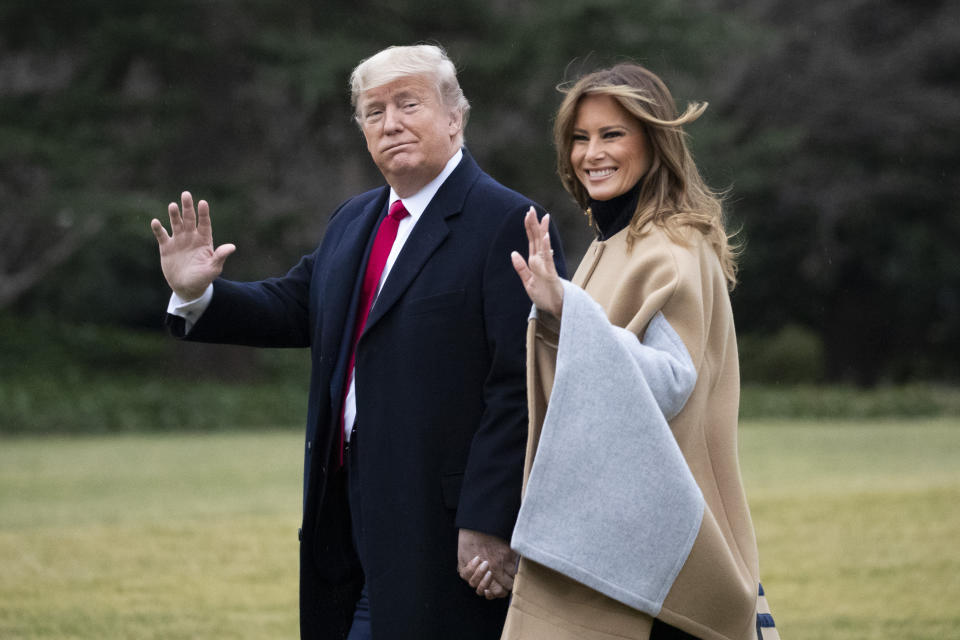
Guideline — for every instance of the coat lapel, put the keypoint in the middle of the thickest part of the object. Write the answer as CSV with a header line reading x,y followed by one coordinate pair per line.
x,y
339,298
426,237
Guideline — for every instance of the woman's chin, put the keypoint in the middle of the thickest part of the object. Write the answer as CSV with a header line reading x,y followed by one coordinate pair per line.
x,y
603,194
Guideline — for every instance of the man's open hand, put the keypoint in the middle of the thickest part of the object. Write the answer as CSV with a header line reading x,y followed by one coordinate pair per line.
x,y
188,259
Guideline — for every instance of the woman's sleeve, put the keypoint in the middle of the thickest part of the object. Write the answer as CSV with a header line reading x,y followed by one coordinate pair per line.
x,y
663,362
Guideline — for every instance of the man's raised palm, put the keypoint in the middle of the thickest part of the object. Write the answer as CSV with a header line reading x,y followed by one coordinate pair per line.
x,y
188,259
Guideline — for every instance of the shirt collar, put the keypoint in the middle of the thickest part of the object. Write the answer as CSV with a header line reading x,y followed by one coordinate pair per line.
x,y
418,202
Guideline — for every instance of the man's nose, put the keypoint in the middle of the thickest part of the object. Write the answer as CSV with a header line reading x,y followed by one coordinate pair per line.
x,y
392,120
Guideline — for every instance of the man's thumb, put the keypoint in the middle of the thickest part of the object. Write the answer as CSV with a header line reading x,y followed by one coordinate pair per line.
x,y
222,253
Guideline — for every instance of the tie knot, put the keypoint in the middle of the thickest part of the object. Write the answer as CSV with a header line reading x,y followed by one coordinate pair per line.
x,y
398,211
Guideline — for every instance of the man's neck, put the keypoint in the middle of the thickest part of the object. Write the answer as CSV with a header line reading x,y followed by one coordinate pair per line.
x,y
407,191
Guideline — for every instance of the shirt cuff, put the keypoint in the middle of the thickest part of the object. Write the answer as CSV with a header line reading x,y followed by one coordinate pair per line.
x,y
190,310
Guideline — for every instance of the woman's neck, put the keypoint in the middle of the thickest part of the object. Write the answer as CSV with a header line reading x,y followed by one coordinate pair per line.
x,y
613,215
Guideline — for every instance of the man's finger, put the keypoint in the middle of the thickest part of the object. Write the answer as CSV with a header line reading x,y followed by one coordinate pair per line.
x,y
203,217
176,222
159,232
188,214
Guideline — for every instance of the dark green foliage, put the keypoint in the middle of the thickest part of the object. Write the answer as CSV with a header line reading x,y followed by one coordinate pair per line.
x,y
68,378
833,123
843,148
792,355
842,402
58,378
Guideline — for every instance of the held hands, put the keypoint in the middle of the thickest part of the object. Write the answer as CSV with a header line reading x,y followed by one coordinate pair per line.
x,y
188,259
539,273
486,563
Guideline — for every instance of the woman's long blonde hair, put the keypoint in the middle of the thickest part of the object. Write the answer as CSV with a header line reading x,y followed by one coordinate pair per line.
x,y
672,193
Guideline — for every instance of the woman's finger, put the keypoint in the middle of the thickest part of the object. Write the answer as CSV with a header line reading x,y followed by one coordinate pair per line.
x,y
476,580
530,225
468,569
496,590
484,583
520,266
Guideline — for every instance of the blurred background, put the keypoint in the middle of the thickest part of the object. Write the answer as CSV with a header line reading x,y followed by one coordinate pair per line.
x,y
833,126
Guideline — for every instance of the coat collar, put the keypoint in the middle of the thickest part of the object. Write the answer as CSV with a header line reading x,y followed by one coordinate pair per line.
x,y
426,237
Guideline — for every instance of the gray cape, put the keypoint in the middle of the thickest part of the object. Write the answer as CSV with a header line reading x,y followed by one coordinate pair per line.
x,y
610,501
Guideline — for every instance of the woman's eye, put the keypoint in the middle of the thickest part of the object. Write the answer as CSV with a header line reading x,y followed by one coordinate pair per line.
x,y
579,137
612,134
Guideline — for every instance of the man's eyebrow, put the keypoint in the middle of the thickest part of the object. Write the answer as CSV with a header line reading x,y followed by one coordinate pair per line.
x,y
379,101
402,95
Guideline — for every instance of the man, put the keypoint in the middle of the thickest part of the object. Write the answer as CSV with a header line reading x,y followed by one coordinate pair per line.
x,y
417,412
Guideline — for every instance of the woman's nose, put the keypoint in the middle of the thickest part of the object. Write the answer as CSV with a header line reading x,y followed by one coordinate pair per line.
x,y
594,150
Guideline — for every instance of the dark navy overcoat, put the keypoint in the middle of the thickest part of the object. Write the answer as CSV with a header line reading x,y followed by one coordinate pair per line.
x,y
441,405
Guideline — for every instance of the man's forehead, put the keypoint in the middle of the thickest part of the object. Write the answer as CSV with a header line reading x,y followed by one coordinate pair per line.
x,y
417,85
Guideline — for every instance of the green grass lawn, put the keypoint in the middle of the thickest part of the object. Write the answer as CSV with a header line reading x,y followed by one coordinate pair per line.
x,y
194,536
858,525
181,536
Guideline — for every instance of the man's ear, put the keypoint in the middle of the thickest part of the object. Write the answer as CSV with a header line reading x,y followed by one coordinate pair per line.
x,y
456,122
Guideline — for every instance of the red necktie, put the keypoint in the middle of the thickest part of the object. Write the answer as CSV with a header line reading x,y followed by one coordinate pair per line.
x,y
382,244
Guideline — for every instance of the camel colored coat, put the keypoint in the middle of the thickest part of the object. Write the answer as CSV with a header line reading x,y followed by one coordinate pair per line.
x,y
712,594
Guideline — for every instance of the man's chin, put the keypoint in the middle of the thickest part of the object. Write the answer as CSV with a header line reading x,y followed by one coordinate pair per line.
x,y
401,165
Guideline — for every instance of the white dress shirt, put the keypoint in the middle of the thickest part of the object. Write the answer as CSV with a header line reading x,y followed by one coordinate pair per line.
x,y
191,310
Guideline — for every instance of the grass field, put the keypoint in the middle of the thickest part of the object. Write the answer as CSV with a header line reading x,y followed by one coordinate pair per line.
x,y
194,536
185,536
858,525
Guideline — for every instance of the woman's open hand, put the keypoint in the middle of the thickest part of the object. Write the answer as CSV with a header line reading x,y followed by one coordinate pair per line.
x,y
539,273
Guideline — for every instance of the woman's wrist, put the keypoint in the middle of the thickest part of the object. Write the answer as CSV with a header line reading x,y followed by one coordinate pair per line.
x,y
554,305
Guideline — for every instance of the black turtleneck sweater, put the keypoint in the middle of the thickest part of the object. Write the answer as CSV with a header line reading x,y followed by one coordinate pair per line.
x,y
613,215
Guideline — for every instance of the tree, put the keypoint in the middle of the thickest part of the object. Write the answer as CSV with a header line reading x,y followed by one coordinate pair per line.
x,y
843,150
247,105
833,122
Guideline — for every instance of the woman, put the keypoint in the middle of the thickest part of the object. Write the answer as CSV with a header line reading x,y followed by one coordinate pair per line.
x,y
634,522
